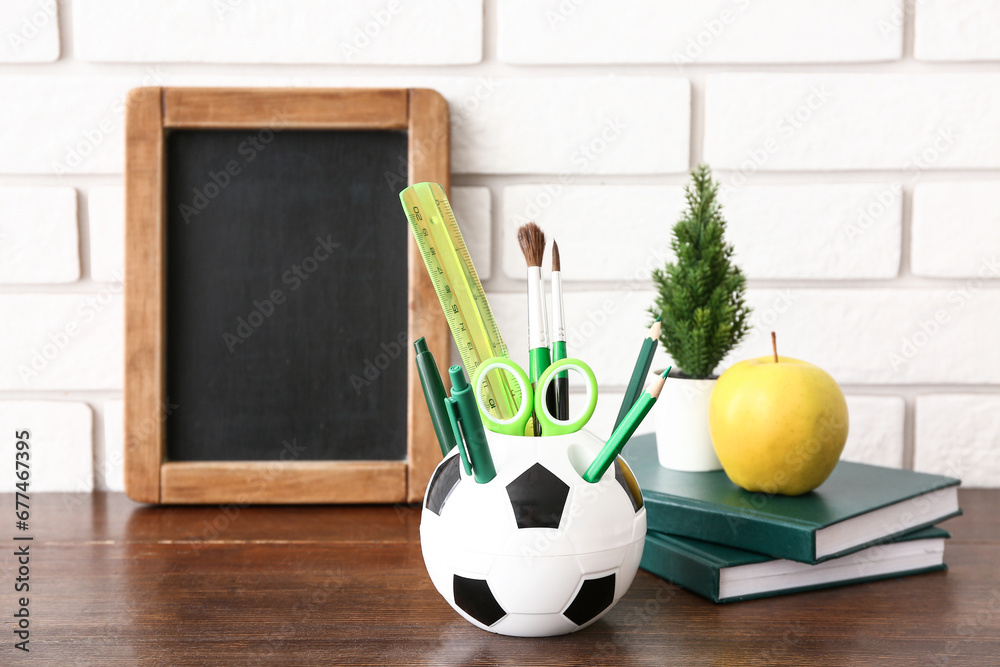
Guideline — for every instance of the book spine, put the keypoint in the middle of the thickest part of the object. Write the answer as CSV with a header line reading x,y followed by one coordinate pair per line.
x,y
743,531
682,569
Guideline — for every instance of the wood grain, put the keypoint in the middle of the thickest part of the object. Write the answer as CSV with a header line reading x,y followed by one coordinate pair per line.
x,y
284,482
123,584
146,407
429,160
287,108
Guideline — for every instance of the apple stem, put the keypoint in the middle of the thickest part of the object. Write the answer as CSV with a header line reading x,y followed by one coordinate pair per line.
x,y
774,346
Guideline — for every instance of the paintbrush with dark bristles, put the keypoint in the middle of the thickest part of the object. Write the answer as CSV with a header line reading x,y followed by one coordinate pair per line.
x,y
532,242
559,396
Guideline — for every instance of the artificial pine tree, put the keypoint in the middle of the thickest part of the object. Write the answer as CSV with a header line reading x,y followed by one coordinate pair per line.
x,y
700,296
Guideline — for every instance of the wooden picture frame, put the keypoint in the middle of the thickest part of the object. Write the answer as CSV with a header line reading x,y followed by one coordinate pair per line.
x,y
151,114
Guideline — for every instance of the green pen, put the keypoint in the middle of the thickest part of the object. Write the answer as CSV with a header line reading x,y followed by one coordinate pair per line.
x,y
465,421
613,447
434,395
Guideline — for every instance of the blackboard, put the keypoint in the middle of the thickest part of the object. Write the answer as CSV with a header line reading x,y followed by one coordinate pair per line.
x,y
273,292
279,243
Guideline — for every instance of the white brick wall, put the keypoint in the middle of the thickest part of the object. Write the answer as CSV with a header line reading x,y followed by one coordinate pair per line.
x,y
859,172
956,229
679,32
472,207
898,122
381,32
966,431
30,30
106,213
110,458
565,210
63,125
957,30
60,443
630,125
779,231
61,341
38,235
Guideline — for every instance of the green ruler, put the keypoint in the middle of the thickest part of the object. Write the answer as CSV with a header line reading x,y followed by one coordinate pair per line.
x,y
460,292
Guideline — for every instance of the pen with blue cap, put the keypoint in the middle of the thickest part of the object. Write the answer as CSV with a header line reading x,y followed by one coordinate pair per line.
x,y
467,426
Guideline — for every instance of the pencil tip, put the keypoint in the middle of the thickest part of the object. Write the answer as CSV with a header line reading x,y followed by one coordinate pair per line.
x,y
654,331
657,386
666,372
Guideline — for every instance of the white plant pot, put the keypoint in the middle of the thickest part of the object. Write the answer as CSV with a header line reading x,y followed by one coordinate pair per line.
x,y
537,551
683,441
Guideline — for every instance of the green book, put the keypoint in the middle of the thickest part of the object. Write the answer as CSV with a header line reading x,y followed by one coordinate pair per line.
x,y
858,505
725,574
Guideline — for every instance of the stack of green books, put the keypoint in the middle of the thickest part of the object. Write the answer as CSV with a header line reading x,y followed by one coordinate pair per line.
x,y
865,522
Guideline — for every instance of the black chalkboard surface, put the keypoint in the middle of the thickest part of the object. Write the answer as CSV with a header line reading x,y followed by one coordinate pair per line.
x,y
286,295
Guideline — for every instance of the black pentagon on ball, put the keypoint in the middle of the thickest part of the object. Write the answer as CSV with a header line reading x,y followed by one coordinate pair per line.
x,y
624,476
595,596
474,597
445,479
538,497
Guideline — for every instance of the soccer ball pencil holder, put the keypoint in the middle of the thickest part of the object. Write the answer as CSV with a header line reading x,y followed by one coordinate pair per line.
x,y
537,551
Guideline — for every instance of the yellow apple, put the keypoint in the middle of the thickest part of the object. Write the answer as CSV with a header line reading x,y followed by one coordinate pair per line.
x,y
777,427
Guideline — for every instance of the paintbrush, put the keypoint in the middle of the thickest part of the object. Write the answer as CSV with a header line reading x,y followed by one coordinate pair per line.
x,y
559,395
532,242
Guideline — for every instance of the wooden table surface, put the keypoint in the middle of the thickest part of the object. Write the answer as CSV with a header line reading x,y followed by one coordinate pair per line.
x,y
114,582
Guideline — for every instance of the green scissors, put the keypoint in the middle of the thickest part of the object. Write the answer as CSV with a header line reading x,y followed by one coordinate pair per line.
x,y
534,400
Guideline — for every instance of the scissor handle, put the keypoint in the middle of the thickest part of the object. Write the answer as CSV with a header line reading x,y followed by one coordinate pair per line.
x,y
551,425
516,424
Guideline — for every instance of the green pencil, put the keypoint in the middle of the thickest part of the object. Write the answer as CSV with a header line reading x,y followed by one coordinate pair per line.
x,y
640,371
613,447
